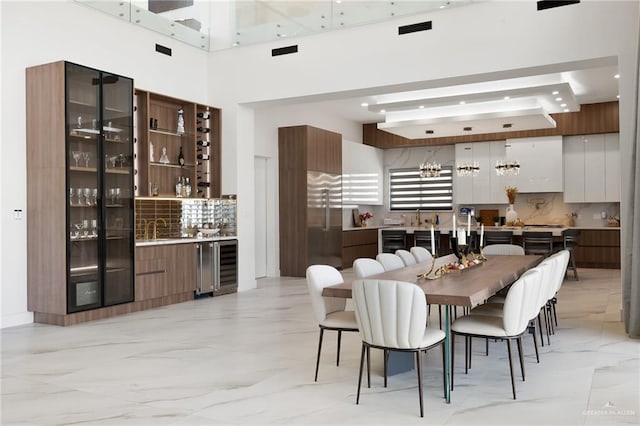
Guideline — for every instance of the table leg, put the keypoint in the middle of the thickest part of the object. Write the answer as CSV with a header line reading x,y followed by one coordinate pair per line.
x,y
447,358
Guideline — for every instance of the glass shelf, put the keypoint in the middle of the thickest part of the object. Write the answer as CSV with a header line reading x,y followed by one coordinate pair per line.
x,y
168,132
117,171
175,166
83,169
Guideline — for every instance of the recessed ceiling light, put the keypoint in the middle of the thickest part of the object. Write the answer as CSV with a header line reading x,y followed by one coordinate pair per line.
x,y
421,106
382,111
617,96
566,110
364,104
555,92
616,76
462,102
467,129
429,132
558,99
507,98
563,105
442,6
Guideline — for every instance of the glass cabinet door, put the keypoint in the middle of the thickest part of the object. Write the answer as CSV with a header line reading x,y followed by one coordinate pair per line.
x,y
117,125
83,183
99,144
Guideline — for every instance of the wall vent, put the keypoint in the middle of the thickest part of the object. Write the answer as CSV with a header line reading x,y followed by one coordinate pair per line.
x,y
163,49
284,50
549,4
414,28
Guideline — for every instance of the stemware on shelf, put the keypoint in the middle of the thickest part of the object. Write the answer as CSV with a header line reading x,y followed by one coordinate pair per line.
x,y
76,156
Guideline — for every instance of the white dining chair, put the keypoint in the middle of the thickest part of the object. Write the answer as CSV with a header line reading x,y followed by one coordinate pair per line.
x,y
503,250
406,257
329,311
365,267
562,258
511,325
421,254
392,316
389,261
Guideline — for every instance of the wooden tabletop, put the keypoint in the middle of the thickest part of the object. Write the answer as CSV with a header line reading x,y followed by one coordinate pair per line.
x,y
468,287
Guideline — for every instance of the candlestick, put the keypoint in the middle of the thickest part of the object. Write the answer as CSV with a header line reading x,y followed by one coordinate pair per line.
x,y
433,243
468,224
481,234
454,224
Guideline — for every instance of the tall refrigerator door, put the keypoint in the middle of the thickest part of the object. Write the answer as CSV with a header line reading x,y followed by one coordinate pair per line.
x,y
204,271
324,218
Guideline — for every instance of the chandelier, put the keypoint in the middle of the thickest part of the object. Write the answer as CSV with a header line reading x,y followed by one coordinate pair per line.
x,y
468,169
509,168
430,170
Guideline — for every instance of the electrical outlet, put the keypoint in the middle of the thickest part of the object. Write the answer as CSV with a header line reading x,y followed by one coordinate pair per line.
x,y
603,215
17,214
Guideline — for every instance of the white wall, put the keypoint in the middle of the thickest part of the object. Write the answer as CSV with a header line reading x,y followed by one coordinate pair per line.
x,y
474,43
35,33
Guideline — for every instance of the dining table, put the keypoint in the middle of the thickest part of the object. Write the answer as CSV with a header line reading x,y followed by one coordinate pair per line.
x,y
466,287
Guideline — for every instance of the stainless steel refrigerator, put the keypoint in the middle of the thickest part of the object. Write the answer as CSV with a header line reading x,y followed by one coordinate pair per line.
x,y
324,218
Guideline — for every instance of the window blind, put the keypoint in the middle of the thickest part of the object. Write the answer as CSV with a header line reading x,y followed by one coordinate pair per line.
x,y
409,191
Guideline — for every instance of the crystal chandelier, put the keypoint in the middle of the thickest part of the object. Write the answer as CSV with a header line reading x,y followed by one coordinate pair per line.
x,y
468,169
508,168
430,170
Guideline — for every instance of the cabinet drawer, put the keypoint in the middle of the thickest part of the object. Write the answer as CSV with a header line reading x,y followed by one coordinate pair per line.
x,y
356,238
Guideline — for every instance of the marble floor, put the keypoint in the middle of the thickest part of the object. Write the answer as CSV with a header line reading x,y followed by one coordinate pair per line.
x,y
248,358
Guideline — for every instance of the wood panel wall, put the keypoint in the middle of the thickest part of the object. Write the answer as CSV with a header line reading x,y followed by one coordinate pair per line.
x,y
591,119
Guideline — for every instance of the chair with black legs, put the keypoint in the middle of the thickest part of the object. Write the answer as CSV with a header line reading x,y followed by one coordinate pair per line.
x,y
393,240
392,316
498,237
329,311
570,240
423,239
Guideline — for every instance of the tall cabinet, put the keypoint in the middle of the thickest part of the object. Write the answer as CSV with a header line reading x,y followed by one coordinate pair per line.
x,y
80,236
310,184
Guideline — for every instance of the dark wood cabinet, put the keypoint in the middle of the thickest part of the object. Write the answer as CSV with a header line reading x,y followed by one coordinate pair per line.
x,y
165,272
358,243
310,204
598,248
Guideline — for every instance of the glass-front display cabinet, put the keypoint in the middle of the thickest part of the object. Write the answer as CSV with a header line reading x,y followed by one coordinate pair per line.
x,y
82,144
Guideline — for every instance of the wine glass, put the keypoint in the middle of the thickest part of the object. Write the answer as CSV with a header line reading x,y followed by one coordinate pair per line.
x,y
94,196
121,159
87,157
87,196
76,156
113,160
94,228
71,193
76,232
79,195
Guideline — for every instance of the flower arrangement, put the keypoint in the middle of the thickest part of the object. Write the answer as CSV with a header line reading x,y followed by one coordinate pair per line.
x,y
365,216
511,192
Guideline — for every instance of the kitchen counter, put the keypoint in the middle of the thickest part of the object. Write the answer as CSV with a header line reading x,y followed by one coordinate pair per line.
x,y
165,241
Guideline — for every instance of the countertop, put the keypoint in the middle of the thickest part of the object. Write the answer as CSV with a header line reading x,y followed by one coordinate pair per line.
x,y
517,230
166,241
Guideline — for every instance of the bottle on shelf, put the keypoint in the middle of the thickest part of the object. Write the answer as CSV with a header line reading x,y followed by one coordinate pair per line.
x,y
181,158
187,188
203,156
202,129
203,142
179,187
203,115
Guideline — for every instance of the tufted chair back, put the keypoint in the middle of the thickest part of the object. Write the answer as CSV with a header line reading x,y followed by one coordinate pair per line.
x,y
319,277
365,267
390,313
519,303
503,250
390,261
406,256
421,254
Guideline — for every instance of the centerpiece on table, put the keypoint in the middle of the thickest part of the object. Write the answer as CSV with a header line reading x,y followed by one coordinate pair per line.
x,y
511,216
364,217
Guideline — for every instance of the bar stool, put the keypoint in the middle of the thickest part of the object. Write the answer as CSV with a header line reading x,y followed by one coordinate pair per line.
x,y
537,242
570,239
423,239
498,237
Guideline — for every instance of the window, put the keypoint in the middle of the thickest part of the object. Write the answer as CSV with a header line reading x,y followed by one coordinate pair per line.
x,y
408,191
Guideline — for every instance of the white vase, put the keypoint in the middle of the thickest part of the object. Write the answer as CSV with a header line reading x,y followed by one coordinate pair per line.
x,y
512,216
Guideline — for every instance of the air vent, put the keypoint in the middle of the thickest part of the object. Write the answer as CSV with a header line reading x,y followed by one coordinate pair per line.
x,y
414,28
429,132
549,4
163,49
507,125
284,50
467,129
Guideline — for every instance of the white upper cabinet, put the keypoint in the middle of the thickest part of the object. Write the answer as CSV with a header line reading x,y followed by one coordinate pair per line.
x,y
540,161
591,168
485,187
362,174
612,167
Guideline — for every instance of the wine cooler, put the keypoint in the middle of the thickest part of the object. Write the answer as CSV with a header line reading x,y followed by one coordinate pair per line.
x,y
217,267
